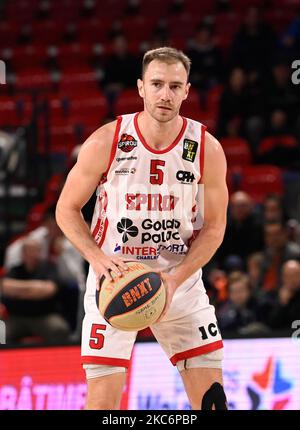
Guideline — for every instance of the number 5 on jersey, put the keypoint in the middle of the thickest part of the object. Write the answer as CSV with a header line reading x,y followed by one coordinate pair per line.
x,y
156,173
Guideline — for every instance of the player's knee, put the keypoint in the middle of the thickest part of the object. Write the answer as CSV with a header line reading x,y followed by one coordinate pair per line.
x,y
101,404
105,384
214,398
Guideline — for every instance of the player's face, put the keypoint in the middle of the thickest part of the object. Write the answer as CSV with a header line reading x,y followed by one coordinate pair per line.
x,y
163,88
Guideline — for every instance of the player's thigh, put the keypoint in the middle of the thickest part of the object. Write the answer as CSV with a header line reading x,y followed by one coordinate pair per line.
x,y
198,381
105,392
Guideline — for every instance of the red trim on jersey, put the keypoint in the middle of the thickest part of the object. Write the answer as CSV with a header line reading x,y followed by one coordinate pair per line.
x,y
104,233
155,151
119,362
204,349
98,224
113,148
202,146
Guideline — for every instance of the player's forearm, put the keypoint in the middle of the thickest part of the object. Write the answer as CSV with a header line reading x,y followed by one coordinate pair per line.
x,y
200,252
77,231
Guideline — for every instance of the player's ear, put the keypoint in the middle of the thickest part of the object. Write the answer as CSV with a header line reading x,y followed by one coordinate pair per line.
x,y
140,86
187,89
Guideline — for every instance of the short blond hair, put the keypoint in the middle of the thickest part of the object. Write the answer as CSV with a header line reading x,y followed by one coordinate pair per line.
x,y
168,55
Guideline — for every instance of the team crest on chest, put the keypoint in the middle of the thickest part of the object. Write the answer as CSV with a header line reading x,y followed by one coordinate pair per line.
x,y
127,143
189,149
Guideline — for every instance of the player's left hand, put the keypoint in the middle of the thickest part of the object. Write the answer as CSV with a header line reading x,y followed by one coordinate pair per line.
x,y
171,284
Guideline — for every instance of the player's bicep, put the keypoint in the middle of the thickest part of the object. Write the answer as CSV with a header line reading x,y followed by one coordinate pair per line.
x,y
84,176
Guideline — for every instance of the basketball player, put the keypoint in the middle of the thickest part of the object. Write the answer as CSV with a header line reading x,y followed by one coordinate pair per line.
x,y
154,170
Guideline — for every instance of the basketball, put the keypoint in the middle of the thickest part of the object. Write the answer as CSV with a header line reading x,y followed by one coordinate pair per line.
x,y
134,301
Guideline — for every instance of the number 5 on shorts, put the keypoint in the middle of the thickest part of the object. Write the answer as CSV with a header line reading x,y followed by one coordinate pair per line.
x,y
96,338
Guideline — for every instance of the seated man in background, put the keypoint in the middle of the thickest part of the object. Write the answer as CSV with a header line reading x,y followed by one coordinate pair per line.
x,y
286,309
30,294
241,311
55,247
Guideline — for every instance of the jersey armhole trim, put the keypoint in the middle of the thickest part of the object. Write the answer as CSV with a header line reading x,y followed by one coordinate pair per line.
x,y
114,146
201,152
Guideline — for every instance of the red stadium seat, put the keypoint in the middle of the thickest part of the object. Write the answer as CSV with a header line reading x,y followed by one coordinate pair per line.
x,y
14,112
33,78
63,139
258,181
237,152
128,101
28,57
82,81
269,143
190,108
89,106
74,57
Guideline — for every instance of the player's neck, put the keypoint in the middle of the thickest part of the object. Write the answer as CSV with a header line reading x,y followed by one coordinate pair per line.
x,y
159,135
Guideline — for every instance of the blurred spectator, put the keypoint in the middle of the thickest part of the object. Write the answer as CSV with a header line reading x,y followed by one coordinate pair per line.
x,y
256,110
287,307
88,9
283,101
69,265
54,246
121,69
254,43
291,38
243,234
133,8
254,264
177,7
206,59
216,285
30,294
241,308
233,103
273,209
277,250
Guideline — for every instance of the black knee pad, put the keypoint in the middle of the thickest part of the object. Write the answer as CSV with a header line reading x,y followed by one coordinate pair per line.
x,y
215,395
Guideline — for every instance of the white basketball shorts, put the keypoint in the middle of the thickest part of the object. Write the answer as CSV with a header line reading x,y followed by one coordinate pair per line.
x,y
187,330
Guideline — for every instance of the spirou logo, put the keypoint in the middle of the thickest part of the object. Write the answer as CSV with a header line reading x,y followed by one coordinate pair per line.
x,y
127,143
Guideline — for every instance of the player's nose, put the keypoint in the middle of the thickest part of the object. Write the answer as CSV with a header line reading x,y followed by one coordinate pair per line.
x,y
166,93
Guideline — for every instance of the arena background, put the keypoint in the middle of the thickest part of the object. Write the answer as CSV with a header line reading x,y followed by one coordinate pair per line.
x,y
69,66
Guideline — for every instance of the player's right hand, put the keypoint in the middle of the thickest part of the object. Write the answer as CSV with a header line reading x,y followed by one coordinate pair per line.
x,y
105,265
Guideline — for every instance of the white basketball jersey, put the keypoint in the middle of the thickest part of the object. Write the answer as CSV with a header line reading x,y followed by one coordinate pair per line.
x,y
149,202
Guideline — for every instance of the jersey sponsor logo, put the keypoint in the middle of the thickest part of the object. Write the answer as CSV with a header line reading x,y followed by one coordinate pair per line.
x,y
151,202
125,171
165,230
138,252
131,158
189,149
127,143
126,228
153,231
185,177
150,252
174,248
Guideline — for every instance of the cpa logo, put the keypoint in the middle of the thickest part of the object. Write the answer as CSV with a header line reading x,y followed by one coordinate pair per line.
x,y
269,389
185,177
